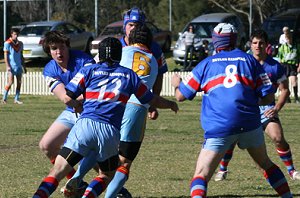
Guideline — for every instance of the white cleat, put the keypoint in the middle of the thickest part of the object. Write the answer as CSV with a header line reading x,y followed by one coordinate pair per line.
x,y
221,175
295,175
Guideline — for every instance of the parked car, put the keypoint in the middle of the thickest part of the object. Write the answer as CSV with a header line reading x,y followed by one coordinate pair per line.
x,y
274,25
32,36
162,37
203,27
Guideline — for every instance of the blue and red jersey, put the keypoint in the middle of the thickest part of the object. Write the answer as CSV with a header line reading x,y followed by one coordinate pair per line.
x,y
158,54
232,82
106,90
277,75
143,63
54,74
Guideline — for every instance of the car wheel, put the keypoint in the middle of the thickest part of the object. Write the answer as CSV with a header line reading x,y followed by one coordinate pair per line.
x,y
88,46
167,45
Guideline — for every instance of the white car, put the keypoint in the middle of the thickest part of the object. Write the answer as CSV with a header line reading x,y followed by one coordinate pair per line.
x,y
32,36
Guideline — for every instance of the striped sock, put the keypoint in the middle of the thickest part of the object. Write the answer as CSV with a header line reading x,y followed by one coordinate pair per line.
x,y
95,188
46,188
286,158
198,187
226,159
117,182
278,182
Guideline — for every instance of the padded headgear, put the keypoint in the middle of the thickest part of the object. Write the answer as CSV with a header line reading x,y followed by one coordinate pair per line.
x,y
141,34
110,50
224,36
134,15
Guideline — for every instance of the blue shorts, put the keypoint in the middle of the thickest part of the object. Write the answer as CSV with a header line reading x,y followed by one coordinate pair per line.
x,y
17,71
89,135
67,118
133,123
250,139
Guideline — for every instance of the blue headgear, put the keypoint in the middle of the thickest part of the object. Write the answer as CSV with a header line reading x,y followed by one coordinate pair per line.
x,y
134,15
224,36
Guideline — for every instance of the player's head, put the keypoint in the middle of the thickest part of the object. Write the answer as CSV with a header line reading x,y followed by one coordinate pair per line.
x,y
224,36
134,15
141,34
54,37
110,50
14,33
260,34
259,42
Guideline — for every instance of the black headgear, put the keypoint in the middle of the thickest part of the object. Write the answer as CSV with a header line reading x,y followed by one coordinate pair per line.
x,y
141,34
110,50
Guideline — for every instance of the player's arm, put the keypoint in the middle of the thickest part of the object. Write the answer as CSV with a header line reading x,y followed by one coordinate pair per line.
x,y
6,60
284,94
162,103
176,80
70,99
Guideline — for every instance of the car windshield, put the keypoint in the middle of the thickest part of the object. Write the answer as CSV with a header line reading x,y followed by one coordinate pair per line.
x,y
203,30
112,30
34,30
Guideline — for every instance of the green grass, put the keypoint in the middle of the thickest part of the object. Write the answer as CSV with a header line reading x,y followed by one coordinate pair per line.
x,y
164,166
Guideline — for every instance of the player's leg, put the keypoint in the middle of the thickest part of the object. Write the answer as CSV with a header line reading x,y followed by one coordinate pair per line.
x,y
223,167
254,142
132,134
212,151
18,89
275,132
63,165
293,80
10,81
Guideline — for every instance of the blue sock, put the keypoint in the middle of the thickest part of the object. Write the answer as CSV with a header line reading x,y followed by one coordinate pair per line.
x,y
5,94
86,164
117,183
17,96
46,188
95,188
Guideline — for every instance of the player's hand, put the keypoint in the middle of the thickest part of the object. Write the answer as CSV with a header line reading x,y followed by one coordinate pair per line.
x,y
25,70
270,113
176,79
153,113
175,107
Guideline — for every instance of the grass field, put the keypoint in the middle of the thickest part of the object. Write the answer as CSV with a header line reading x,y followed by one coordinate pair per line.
x,y
164,166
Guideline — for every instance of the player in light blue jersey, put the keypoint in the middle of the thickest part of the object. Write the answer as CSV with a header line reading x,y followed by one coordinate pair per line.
x,y
137,57
234,118
58,72
269,113
107,87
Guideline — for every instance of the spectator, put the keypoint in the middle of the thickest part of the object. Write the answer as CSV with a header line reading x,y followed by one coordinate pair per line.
x,y
203,50
14,61
106,87
188,37
283,37
289,56
234,118
269,113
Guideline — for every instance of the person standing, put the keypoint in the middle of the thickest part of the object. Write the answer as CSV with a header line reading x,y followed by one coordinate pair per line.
x,y
283,37
234,118
107,87
14,61
269,113
188,37
289,57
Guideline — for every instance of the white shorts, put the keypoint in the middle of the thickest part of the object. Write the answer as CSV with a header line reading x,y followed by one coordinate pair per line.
x,y
89,135
250,139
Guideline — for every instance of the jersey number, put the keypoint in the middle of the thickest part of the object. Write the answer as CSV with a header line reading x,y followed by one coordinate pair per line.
x,y
230,79
140,64
110,93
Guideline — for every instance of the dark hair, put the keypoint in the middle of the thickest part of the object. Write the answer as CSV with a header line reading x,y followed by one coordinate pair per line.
x,y
141,34
53,37
110,50
260,34
16,30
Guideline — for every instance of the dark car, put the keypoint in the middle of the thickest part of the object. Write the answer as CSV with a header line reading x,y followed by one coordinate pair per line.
x,y
32,36
274,25
162,37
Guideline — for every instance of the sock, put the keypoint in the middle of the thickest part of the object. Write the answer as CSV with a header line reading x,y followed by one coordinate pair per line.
x,y
117,182
86,164
198,187
17,96
46,188
95,188
295,89
286,158
226,159
5,93
70,174
278,182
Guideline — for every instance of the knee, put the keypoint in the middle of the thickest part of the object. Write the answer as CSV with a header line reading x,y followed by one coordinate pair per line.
x,y
47,149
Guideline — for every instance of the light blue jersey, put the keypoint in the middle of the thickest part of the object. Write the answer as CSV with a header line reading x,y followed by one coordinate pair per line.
x,y
14,51
143,63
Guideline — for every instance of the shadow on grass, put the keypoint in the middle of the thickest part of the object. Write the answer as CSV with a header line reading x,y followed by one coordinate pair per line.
x,y
226,196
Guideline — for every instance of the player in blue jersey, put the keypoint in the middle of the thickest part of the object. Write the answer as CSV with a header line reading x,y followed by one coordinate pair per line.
x,y
137,57
269,113
58,72
234,118
107,87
